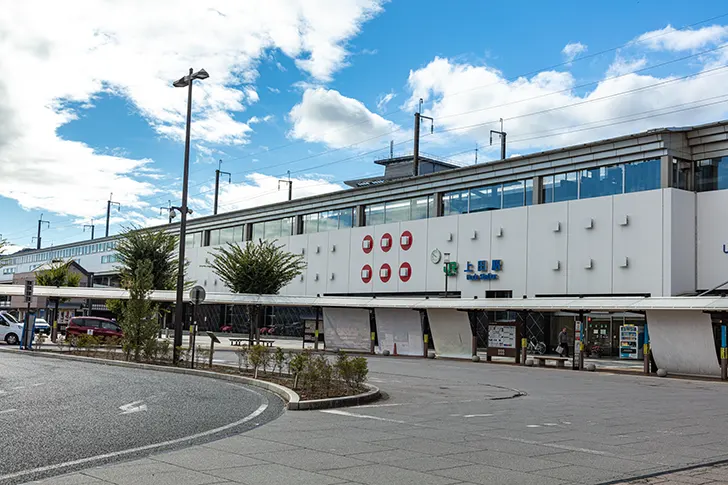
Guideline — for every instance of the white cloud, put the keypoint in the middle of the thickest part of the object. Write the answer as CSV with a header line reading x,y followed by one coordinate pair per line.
x,y
469,99
259,189
383,100
274,90
326,116
621,66
573,49
671,39
254,119
60,61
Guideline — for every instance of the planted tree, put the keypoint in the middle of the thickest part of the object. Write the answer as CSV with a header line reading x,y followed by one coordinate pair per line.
x,y
146,262
261,268
58,274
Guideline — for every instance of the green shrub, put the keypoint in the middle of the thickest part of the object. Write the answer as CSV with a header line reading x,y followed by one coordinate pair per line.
x,y
259,357
279,359
352,371
243,357
183,354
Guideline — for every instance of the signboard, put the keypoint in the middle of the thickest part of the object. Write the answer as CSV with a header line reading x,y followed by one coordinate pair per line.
x,y
503,341
28,291
197,295
483,273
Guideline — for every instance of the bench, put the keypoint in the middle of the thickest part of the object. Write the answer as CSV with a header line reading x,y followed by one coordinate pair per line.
x,y
541,359
239,342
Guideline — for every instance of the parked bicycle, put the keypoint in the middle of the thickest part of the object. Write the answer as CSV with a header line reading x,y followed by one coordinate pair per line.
x,y
536,347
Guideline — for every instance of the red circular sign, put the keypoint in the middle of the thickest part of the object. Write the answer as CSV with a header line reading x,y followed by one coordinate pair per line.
x,y
405,240
366,273
405,272
385,272
386,242
367,244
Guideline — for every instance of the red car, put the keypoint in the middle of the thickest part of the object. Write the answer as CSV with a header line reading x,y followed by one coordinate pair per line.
x,y
98,327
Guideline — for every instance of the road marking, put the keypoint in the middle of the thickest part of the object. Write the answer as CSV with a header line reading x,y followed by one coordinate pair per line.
x,y
17,388
550,424
38,384
361,416
152,446
533,426
389,405
477,415
8,411
133,407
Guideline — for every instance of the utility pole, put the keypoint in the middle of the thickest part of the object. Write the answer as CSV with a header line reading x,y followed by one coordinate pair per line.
x,y
503,139
40,225
290,185
218,172
476,154
416,153
109,203
92,226
167,209
391,148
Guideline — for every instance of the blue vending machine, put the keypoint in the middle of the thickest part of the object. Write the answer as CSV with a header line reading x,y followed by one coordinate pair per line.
x,y
631,339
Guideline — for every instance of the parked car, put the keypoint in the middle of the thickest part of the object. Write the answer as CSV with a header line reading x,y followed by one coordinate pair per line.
x,y
10,328
99,327
41,326
226,328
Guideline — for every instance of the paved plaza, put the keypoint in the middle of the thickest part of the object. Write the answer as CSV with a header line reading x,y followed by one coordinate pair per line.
x,y
449,422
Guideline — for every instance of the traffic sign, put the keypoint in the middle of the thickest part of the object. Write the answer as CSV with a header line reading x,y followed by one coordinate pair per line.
x,y
197,295
28,291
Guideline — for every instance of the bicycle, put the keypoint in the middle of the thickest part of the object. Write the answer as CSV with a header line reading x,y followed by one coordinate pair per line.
x,y
535,347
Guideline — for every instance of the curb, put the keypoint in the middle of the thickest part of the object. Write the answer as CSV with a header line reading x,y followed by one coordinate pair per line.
x,y
290,397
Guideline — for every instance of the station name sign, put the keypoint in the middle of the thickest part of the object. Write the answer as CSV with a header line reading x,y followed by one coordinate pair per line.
x,y
482,273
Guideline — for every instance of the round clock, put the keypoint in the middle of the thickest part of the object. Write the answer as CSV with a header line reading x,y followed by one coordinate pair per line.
x,y
436,256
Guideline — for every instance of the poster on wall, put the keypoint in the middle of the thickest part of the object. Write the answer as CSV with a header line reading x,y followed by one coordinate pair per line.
x,y
502,336
347,328
401,327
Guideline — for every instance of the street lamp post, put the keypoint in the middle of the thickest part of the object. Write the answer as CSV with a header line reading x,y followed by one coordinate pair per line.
x,y
446,261
185,82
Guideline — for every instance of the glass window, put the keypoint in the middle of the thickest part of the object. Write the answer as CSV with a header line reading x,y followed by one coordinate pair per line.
x,y
227,235
485,198
565,186
258,231
547,195
238,233
640,176
420,208
529,192
346,218
397,211
272,229
328,221
193,240
600,181
214,237
680,172
310,223
286,227
455,203
375,214
513,194
711,174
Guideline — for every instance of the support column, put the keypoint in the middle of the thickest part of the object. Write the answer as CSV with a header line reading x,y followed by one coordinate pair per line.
x,y
361,217
248,231
438,204
666,171
537,190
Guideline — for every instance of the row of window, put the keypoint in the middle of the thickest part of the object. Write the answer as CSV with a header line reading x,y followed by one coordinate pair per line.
x,y
600,181
275,229
64,253
8,270
711,174
489,197
400,210
329,220
111,258
216,237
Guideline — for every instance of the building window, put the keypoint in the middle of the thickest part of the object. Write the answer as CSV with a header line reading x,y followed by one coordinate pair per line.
x,y
193,240
274,229
711,174
225,235
485,198
565,186
529,192
455,203
400,210
109,258
641,176
374,214
514,194
600,181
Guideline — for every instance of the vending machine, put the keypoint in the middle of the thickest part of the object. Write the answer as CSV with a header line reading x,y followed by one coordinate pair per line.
x,y
631,338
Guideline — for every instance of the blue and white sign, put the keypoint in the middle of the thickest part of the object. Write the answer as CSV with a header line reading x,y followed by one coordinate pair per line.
x,y
482,273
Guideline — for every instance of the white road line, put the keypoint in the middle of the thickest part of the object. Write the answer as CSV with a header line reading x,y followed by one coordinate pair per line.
x,y
133,407
533,426
477,415
17,388
8,411
105,456
550,424
360,416
38,384
389,405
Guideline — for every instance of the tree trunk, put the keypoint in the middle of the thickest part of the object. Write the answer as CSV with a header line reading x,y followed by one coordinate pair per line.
x,y
54,322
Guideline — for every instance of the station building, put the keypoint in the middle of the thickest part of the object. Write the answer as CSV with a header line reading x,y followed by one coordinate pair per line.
x,y
641,215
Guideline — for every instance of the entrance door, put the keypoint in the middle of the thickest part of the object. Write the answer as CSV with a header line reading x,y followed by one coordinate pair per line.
x,y
598,332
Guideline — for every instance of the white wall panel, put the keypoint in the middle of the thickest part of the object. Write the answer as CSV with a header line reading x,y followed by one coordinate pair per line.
x,y
358,259
417,256
298,245
473,246
347,329
284,244
317,256
451,333
589,267
442,234
682,235
382,257
547,248
682,341
712,245
510,248
338,251
401,327
637,236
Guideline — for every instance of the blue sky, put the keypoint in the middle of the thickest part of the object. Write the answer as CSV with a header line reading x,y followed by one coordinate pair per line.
x,y
320,90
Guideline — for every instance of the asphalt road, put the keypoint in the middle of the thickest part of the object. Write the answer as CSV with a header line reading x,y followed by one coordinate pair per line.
x,y
55,412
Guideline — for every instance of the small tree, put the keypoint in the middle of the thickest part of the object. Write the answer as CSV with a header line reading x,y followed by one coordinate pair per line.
x,y
58,274
243,357
138,318
279,358
258,356
261,268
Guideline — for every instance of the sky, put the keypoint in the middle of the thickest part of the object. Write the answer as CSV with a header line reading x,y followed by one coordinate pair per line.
x,y
316,90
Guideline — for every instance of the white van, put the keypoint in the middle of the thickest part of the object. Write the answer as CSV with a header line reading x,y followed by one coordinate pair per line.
x,y
10,328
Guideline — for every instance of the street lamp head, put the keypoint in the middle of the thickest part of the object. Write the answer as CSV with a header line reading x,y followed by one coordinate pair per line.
x,y
181,82
201,74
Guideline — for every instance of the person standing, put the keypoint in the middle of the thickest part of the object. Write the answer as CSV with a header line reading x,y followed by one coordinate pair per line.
x,y
564,342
